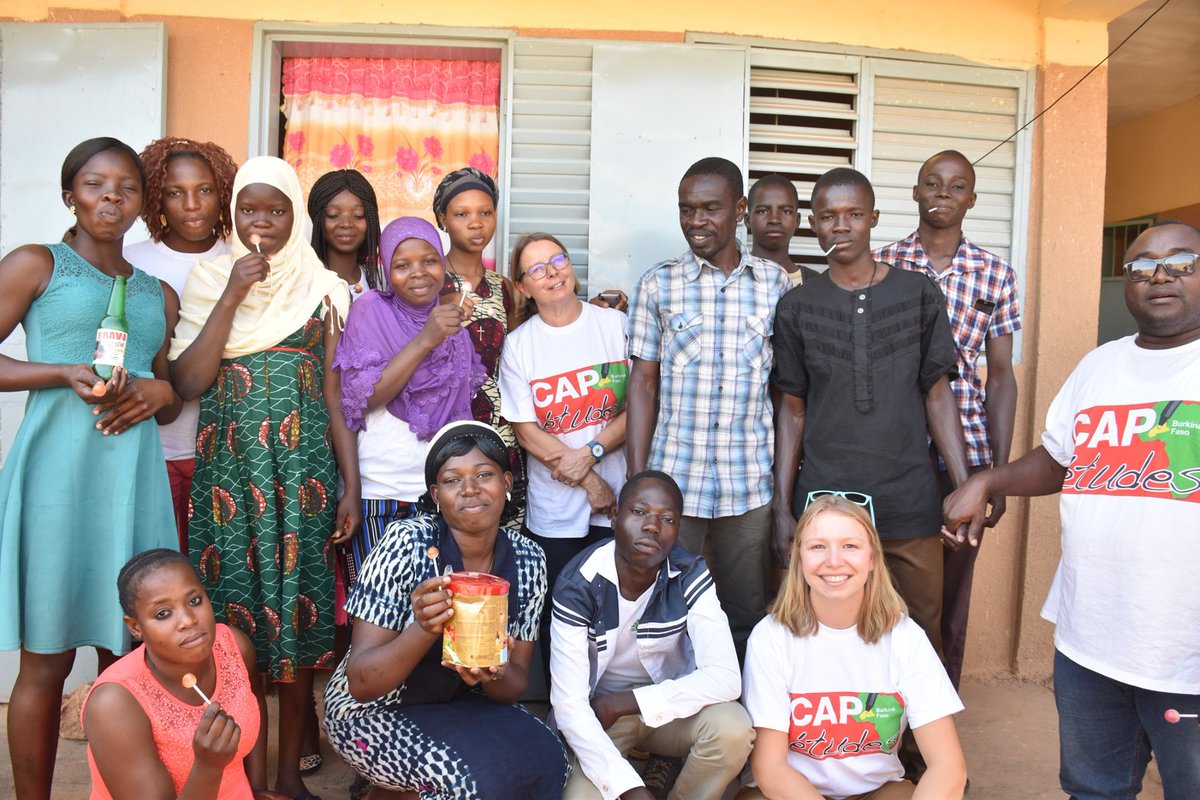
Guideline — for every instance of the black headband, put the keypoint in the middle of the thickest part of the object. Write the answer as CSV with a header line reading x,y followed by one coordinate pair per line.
x,y
463,429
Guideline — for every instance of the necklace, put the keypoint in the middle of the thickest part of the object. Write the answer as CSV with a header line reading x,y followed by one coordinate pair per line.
x,y
871,280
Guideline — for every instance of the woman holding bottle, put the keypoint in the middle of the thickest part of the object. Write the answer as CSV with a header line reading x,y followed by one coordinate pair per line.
x,y
83,487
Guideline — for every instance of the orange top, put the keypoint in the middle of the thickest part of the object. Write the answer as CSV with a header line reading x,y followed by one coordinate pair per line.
x,y
174,722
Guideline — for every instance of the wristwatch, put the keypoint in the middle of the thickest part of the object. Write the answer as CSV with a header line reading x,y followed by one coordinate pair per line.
x,y
596,449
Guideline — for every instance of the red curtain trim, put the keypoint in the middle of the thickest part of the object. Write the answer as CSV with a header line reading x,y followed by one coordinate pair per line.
x,y
447,82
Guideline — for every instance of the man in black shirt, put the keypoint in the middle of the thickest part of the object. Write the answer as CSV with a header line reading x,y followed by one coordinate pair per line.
x,y
863,355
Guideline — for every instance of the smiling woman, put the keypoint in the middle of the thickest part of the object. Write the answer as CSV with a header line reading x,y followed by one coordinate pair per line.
x,y
83,487
563,378
407,368
397,713
838,670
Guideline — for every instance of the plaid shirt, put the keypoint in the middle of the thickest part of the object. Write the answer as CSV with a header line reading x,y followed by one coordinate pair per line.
x,y
981,297
712,338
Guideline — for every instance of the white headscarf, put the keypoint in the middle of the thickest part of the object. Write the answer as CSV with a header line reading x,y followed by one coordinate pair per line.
x,y
276,307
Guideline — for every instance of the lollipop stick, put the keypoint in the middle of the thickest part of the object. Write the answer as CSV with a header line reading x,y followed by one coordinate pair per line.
x,y
189,682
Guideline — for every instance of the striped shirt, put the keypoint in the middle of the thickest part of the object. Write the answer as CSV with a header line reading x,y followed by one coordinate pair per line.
x,y
711,336
981,298
682,639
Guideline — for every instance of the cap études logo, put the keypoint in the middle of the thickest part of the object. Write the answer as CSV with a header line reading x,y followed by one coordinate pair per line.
x,y
845,724
1137,450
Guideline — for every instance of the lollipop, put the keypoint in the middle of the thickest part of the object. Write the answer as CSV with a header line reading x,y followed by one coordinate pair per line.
x,y
189,682
255,240
99,389
432,552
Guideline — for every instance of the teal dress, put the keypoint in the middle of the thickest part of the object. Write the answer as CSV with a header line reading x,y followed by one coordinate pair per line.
x,y
75,505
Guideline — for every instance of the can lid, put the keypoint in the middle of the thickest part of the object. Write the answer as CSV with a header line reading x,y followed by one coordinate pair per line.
x,y
479,583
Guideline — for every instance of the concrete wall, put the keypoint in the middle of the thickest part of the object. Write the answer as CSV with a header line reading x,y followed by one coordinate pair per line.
x,y
1154,164
209,69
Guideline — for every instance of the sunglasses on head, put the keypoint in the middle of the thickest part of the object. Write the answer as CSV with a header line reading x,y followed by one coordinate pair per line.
x,y
537,272
1177,265
858,498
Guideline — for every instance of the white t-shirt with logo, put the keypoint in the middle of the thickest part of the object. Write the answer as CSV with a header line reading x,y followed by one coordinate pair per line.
x,y
571,381
843,703
179,437
1126,424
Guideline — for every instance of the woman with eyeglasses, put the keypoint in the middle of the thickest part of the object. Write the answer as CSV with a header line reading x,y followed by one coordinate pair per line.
x,y
838,670
563,378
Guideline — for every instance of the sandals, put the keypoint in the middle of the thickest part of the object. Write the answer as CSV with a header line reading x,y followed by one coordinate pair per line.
x,y
310,763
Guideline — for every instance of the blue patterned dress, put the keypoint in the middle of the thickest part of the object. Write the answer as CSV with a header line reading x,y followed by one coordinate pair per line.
x,y
75,505
433,734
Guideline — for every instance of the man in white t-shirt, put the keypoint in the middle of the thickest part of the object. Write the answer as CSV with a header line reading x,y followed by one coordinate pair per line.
x,y
1122,444
641,656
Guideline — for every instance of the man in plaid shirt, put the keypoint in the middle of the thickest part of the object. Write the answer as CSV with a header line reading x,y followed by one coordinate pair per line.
x,y
698,406
981,297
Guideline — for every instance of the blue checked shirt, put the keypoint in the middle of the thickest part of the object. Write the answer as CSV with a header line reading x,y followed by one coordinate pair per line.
x,y
711,336
981,298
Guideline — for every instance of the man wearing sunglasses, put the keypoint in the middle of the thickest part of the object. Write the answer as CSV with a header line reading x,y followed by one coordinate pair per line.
x,y
1122,445
981,298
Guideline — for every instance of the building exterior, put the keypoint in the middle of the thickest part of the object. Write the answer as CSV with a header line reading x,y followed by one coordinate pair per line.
x,y
602,106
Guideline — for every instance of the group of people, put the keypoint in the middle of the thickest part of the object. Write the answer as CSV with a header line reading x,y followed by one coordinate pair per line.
x,y
348,416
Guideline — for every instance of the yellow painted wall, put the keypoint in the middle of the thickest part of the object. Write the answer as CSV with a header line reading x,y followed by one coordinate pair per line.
x,y
998,32
1153,162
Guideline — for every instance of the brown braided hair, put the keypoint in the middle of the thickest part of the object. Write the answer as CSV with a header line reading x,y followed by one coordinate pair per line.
x,y
156,156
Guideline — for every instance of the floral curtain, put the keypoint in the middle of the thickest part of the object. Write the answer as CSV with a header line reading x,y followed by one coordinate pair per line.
x,y
402,122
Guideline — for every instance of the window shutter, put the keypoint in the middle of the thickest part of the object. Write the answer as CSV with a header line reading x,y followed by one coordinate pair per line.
x,y
804,121
550,157
919,111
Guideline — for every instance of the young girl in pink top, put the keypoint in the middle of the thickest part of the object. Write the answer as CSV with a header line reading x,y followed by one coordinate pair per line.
x,y
151,737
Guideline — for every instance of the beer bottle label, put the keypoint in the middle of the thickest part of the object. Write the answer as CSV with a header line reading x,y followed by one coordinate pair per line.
x,y
110,347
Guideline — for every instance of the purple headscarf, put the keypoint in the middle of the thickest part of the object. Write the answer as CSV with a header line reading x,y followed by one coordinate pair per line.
x,y
380,325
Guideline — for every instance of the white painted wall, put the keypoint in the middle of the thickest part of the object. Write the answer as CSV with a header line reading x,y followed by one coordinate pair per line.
x,y
62,84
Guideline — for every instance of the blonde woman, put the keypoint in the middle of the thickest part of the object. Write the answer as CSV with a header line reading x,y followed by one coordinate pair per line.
x,y
837,671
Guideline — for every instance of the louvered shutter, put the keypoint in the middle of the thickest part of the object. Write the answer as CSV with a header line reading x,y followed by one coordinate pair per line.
x,y
803,121
550,156
919,110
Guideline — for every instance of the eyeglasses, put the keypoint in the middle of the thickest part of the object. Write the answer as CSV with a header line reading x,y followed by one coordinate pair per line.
x,y
537,272
1177,265
858,498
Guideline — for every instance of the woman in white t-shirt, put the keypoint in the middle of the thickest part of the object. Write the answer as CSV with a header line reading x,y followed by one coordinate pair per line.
x,y
189,186
838,669
563,376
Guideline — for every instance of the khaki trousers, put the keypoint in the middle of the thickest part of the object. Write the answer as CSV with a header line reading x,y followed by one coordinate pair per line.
x,y
715,744
740,560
